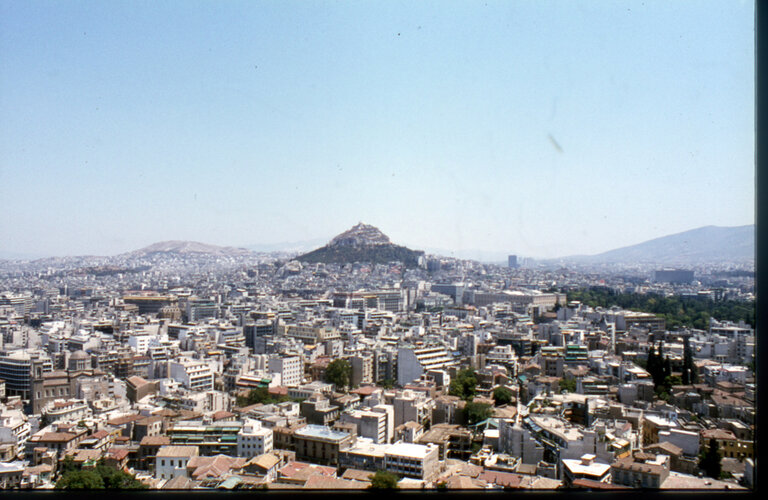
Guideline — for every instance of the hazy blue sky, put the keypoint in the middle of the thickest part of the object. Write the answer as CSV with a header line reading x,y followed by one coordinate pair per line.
x,y
529,127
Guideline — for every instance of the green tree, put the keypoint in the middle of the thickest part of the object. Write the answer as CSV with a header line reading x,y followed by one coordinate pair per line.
x,y
256,396
68,464
709,461
383,480
671,381
567,384
502,396
690,376
117,479
100,477
657,365
677,311
387,383
464,385
339,373
477,412
80,480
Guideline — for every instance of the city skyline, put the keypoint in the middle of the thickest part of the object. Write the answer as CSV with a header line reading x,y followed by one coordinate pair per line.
x,y
476,254
529,128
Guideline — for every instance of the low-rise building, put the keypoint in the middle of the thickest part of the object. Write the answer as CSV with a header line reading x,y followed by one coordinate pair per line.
x,y
585,468
193,375
320,444
211,438
641,470
253,439
171,461
413,460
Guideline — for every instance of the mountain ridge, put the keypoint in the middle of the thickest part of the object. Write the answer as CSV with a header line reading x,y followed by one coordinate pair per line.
x,y
187,247
702,244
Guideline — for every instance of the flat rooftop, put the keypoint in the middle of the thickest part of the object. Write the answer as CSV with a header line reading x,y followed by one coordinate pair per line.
x,y
409,450
320,432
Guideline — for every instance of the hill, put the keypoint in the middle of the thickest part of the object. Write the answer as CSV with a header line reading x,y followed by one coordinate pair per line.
x,y
362,243
187,248
704,244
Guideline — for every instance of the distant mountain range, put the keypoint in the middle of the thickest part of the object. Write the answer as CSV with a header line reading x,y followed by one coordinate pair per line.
x,y
288,246
367,243
362,243
185,248
705,244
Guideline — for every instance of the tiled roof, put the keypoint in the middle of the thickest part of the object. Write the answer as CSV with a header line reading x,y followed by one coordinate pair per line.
x,y
332,483
506,479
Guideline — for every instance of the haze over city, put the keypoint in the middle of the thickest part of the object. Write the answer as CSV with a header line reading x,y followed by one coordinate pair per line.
x,y
537,128
429,246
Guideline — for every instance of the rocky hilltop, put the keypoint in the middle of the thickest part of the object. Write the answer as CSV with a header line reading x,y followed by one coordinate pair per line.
x,y
361,235
362,243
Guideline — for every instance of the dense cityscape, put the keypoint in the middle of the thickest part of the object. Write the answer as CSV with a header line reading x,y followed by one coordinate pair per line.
x,y
366,365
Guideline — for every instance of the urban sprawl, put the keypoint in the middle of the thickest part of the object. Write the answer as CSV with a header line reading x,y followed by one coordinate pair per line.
x,y
196,370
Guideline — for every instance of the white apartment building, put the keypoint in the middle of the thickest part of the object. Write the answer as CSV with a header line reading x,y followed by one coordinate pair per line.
x,y
410,406
375,424
503,355
193,375
413,363
61,410
729,329
688,441
290,368
171,461
14,427
208,401
731,373
309,333
253,439
413,460
139,342
305,391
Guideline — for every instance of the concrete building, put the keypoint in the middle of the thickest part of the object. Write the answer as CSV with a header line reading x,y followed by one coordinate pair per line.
x,y
320,444
362,369
139,342
512,262
19,368
210,438
363,454
318,410
171,461
260,329
413,460
193,375
641,470
585,468
687,441
253,439
413,363
290,368
672,276
411,406
14,428
376,424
